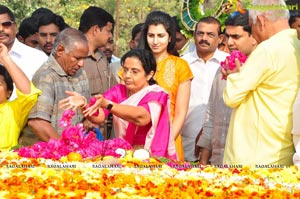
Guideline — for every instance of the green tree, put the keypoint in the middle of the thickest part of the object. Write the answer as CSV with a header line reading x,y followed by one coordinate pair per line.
x,y
131,12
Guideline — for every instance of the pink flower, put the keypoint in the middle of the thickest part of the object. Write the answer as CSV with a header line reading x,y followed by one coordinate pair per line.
x,y
92,102
66,118
236,54
74,139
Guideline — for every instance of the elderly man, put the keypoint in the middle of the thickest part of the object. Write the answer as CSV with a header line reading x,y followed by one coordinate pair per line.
x,y
63,71
263,91
27,58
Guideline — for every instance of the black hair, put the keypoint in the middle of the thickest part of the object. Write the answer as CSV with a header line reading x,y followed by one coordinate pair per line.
x,y
27,27
147,59
210,20
6,10
293,16
136,29
94,16
239,19
49,18
156,18
176,23
7,79
40,11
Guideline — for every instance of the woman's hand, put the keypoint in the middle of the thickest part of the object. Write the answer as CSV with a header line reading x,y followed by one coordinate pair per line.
x,y
75,100
100,103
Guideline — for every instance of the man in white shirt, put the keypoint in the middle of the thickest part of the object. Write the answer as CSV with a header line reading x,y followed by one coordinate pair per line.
x,y
204,61
27,58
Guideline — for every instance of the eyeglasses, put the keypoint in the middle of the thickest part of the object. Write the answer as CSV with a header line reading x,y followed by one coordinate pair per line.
x,y
7,24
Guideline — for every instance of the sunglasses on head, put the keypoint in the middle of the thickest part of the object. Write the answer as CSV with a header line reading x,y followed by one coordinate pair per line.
x,y
7,23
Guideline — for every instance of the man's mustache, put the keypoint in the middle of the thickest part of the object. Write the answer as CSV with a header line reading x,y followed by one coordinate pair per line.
x,y
204,42
107,51
3,33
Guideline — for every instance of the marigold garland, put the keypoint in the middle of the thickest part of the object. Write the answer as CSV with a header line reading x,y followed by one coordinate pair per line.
x,y
44,171
133,178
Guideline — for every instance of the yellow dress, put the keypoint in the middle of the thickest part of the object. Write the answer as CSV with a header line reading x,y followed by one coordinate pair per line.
x,y
170,73
13,116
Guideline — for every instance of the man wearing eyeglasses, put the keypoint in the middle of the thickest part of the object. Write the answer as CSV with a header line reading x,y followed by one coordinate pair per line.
x,y
29,59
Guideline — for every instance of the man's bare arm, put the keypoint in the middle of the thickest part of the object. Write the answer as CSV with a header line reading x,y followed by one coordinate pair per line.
x,y
43,129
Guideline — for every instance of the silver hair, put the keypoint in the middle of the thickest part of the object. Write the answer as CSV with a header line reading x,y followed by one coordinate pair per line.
x,y
68,38
272,9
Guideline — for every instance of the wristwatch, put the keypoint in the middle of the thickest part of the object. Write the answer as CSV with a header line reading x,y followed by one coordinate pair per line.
x,y
109,106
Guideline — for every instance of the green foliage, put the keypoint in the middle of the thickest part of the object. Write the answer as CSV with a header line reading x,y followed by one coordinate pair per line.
x,y
196,15
70,10
131,12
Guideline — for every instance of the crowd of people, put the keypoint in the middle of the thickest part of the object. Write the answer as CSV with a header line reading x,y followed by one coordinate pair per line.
x,y
168,94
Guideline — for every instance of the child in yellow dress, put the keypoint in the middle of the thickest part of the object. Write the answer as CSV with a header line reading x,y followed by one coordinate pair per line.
x,y
14,113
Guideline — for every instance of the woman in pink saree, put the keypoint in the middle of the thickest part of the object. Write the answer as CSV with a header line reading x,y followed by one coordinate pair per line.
x,y
140,107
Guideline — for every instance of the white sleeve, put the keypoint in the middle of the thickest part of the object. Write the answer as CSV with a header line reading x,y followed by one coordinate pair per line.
x,y
296,157
296,115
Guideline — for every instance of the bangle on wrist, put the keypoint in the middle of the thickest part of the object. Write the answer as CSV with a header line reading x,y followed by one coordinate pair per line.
x,y
109,106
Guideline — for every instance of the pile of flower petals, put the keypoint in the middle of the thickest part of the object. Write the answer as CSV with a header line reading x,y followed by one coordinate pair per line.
x,y
37,178
74,139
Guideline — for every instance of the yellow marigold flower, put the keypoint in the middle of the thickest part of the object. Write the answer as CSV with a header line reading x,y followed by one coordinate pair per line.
x,y
64,159
73,156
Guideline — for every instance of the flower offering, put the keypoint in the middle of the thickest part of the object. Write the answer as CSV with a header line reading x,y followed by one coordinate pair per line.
x,y
92,102
74,139
236,54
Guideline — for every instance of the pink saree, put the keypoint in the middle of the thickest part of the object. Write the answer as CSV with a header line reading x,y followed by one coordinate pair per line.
x,y
156,136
